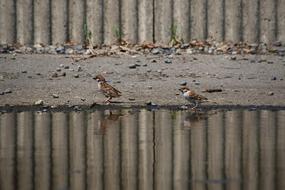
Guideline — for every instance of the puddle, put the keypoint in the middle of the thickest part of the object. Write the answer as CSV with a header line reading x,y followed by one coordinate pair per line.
x,y
140,149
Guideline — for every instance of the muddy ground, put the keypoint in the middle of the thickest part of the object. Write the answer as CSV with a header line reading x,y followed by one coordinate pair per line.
x,y
59,80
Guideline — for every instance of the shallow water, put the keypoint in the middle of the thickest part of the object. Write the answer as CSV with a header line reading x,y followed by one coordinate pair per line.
x,y
140,149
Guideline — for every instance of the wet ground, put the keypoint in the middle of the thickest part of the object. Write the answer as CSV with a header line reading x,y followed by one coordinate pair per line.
x,y
67,80
140,149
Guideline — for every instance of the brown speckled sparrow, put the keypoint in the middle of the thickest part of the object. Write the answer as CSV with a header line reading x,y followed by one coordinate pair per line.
x,y
108,90
192,96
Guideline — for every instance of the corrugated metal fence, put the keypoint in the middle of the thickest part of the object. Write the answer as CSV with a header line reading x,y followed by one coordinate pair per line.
x,y
137,21
142,150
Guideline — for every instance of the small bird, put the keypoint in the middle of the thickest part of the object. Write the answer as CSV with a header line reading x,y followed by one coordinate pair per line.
x,y
192,96
108,90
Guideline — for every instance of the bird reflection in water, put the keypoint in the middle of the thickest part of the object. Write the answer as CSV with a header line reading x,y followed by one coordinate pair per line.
x,y
109,118
192,118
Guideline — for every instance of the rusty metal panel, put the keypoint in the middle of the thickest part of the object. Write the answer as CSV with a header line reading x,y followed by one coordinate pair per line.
x,y
181,19
94,21
145,21
215,27
25,150
59,133
77,153
233,19
250,27
129,22
163,28
24,22
105,22
42,21
198,19
59,13
42,150
7,150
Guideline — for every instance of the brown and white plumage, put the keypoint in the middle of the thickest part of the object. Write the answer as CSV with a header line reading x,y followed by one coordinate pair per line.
x,y
192,96
108,90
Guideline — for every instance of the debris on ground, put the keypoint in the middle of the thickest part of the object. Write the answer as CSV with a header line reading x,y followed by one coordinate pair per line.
x,y
78,52
212,90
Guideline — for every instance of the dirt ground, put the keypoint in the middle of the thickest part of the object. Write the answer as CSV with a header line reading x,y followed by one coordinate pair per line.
x,y
59,80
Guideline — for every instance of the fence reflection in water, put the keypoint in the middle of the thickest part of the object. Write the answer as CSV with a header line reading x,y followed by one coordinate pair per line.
x,y
140,149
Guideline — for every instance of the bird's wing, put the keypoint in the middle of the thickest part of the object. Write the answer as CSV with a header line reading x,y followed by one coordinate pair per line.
x,y
110,90
196,96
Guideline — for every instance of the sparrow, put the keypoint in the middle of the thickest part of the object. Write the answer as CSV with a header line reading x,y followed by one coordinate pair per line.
x,y
192,96
108,90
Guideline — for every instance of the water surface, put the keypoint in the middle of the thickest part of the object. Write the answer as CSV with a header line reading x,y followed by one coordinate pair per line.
x,y
140,149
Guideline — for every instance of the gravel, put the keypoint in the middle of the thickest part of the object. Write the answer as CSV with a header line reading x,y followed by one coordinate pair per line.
x,y
164,79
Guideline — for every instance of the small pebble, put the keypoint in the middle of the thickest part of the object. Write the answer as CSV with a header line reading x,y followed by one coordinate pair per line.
x,y
149,87
24,71
76,76
79,69
262,60
184,46
76,108
183,83
8,91
168,61
273,78
55,96
189,51
197,83
66,67
132,99
58,69
69,51
39,102
277,43
270,93
54,75
151,104
132,66
184,107
155,51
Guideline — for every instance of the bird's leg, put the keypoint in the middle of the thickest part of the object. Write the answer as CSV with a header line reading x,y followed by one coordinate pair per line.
x,y
195,106
108,100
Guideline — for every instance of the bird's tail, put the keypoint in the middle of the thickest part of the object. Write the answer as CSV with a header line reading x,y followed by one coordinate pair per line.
x,y
212,101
